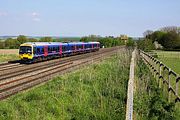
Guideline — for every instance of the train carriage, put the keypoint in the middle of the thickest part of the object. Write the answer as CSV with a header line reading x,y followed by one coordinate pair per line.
x,y
39,51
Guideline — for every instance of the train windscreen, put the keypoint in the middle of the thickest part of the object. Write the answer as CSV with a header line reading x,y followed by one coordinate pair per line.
x,y
25,49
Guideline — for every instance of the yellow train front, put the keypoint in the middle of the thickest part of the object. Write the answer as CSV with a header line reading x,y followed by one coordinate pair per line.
x,y
26,52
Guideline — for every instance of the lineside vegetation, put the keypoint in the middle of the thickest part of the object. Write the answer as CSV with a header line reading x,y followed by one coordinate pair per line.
x,y
150,102
95,92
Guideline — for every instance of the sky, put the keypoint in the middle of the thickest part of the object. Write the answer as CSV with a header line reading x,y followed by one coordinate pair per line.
x,y
86,17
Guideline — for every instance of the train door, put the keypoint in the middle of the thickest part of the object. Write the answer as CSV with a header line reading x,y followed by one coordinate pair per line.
x,y
92,47
75,48
60,50
45,51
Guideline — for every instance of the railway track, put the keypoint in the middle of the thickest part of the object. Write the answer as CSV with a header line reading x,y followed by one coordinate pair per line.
x,y
14,67
26,78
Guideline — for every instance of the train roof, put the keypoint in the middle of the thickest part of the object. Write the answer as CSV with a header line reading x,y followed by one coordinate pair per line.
x,y
55,43
42,43
94,42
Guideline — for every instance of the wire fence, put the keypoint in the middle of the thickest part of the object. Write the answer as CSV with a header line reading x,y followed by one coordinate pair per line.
x,y
166,78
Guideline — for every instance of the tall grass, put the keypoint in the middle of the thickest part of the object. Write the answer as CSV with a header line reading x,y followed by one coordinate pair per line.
x,y
94,92
150,102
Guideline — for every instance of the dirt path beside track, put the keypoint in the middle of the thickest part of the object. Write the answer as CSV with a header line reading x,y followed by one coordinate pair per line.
x,y
8,51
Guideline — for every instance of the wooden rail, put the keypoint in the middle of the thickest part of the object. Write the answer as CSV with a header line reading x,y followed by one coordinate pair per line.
x,y
129,105
166,78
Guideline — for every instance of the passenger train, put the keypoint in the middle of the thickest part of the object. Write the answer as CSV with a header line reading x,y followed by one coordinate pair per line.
x,y
31,52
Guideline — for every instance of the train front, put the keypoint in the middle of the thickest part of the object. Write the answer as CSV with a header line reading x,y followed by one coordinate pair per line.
x,y
26,52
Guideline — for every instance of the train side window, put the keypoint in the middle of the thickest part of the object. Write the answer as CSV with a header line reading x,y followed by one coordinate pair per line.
x,y
42,50
63,48
38,50
49,49
34,50
57,49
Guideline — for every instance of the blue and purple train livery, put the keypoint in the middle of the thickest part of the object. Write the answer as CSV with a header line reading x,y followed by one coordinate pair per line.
x,y
38,51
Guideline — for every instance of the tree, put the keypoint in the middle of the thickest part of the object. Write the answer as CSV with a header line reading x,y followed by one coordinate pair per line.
x,y
145,44
2,44
46,39
22,39
32,40
171,40
147,33
11,43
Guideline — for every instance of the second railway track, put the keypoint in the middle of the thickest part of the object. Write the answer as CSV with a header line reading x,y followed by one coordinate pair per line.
x,y
21,80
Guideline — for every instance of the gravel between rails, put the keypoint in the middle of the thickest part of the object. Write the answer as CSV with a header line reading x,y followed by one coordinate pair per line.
x,y
28,80
32,66
9,76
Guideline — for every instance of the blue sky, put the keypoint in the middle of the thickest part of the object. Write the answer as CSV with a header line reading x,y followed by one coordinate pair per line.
x,y
85,17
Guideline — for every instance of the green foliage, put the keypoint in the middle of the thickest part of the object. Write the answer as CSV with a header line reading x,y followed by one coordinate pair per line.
x,y
149,102
146,45
104,41
95,92
130,43
12,43
21,39
168,37
46,39
2,44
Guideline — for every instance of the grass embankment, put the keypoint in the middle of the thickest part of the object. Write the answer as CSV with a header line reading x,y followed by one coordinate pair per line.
x,y
8,55
95,92
171,59
149,101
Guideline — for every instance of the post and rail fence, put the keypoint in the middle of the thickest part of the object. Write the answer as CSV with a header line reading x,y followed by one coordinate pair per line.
x,y
166,78
129,105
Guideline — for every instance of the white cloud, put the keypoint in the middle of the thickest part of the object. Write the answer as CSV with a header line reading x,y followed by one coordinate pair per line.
x,y
36,19
3,14
35,16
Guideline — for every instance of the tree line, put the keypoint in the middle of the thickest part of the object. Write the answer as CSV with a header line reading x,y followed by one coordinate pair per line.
x,y
168,37
109,41
11,43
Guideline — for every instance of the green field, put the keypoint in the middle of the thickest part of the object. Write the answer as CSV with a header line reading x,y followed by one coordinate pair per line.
x,y
171,59
94,92
8,57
